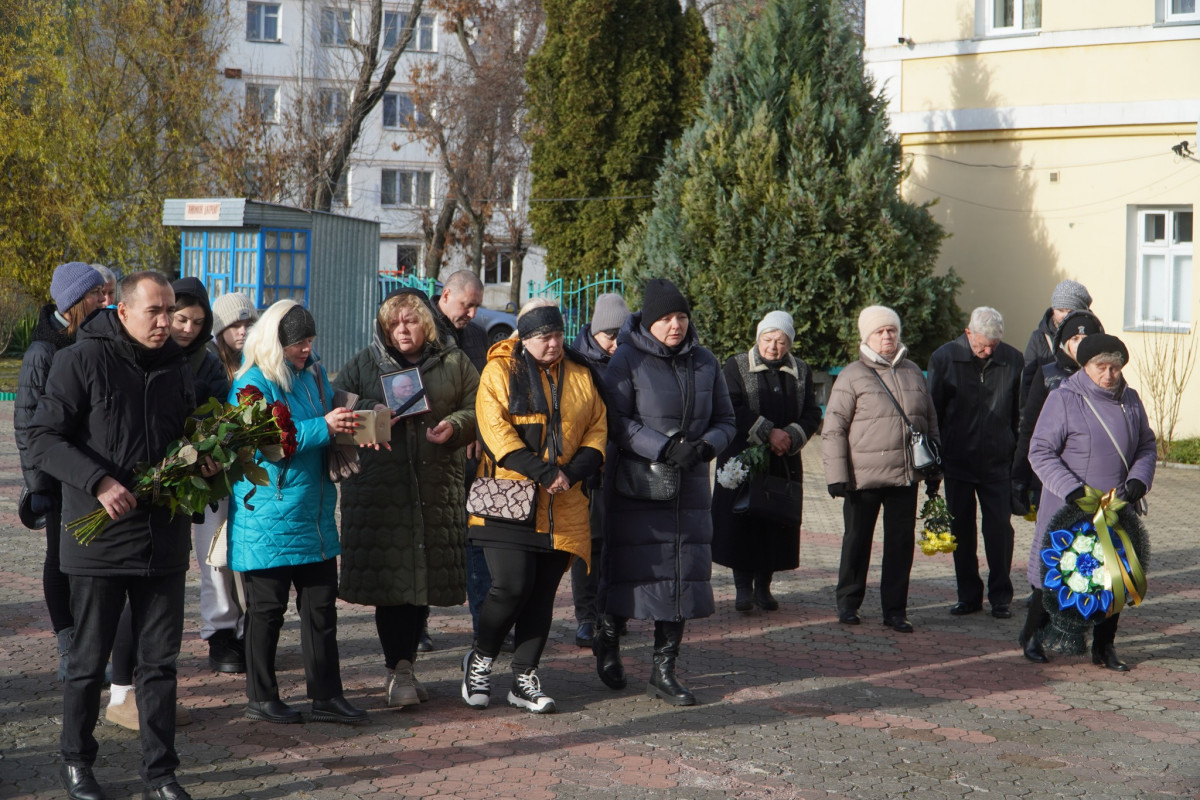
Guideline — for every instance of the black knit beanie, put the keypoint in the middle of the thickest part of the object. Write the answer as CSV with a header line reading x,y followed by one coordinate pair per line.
x,y
296,326
661,298
540,320
1098,343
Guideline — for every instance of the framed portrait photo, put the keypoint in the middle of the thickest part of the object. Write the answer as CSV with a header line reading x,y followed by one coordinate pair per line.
x,y
404,392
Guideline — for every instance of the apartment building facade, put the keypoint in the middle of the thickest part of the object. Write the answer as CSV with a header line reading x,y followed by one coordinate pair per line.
x,y
292,56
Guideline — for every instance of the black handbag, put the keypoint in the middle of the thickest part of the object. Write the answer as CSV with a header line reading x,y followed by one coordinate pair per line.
x,y
924,455
771,497
639,479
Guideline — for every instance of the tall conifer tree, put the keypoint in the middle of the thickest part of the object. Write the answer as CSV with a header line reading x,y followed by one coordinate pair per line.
x,y
614,82
784,193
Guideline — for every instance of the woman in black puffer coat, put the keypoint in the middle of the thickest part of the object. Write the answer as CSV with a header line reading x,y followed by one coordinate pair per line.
x,y
77,290
668,402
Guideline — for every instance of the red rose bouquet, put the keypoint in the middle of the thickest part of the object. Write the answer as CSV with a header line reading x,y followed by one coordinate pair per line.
x,y
232,435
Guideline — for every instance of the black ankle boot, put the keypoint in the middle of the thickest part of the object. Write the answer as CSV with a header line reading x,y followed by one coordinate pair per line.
x,y
762,592
1106,656
743,583
607,649
663,683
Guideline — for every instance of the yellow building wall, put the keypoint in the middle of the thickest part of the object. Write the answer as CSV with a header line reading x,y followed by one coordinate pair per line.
x,y
1099,74
939,20
1015,233
952,20
1072,15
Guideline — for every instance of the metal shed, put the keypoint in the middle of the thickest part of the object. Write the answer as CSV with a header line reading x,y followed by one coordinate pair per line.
x,y
328,262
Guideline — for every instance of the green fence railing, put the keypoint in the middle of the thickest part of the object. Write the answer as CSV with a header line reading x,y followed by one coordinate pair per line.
x,y
577,296
390,281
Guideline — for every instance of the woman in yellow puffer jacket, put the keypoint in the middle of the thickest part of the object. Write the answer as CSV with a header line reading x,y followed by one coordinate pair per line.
x,y
541,418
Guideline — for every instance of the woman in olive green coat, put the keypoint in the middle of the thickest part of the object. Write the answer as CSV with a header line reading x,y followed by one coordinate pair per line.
x,y
404,514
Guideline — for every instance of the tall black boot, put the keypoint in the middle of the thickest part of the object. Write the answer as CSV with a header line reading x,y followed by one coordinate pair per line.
x,y
762,592
1030,636
743,582
607,648
667,638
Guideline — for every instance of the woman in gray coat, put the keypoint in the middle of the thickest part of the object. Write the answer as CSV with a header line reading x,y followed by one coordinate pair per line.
x,y
865,448
668,403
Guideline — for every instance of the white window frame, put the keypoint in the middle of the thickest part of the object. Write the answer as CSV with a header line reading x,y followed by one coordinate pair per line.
x,y
395,100
1166,14
498,266
261,14
985,11
425,30
332,104
415,247
337,26
257,90
1177,271
406,188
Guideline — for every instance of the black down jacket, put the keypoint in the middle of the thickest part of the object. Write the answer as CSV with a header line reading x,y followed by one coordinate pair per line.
x,y
49,336
658,555
978,409
109,405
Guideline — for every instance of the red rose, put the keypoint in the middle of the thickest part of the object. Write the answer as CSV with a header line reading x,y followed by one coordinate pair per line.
x,y
287,429
249,395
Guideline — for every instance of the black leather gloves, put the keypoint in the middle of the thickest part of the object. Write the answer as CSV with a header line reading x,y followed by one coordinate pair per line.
x,y
1132,491
1019,499
684,455
1075,495
838,489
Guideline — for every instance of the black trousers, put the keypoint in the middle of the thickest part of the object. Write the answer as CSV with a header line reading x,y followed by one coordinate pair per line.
x,y
994,515
860,513
522,599
399,629
585,585
267,593
56,586
156,608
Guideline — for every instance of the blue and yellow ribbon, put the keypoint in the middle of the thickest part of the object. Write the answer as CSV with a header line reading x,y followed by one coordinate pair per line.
x,y
1125,571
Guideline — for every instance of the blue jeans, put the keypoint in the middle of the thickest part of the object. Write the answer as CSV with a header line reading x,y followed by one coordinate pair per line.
x,y
479,582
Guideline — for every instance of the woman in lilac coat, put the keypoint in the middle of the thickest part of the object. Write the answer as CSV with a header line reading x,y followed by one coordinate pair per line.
x,y
1070,449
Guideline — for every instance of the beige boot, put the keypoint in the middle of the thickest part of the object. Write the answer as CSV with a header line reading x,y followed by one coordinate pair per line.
x,y
400,688
125,713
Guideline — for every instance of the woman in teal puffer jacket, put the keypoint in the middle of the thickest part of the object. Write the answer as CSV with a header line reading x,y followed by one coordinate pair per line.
x,y
284,533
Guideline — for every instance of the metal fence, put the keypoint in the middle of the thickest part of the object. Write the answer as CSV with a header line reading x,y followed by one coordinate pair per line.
x,y
390,281
577,296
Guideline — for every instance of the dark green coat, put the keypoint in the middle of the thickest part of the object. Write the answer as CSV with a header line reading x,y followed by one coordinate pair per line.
x,y
404,515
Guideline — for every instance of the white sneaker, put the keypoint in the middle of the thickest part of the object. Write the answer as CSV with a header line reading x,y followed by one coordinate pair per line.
x,y
527,693
476,686
400,689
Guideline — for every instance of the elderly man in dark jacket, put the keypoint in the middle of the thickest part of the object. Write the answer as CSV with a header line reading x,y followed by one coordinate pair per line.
x,y
975,382
118,397
461,296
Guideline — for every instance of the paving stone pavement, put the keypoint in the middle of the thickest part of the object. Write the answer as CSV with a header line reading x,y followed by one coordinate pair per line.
x,y
793,704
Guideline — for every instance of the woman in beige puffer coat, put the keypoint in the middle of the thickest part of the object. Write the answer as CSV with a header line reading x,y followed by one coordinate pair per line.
x,y
867,462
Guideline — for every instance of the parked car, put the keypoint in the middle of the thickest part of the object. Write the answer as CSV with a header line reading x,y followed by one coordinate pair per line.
x,y
497,324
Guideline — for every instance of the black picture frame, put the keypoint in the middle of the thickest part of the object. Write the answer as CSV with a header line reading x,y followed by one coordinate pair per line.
x,y
404,392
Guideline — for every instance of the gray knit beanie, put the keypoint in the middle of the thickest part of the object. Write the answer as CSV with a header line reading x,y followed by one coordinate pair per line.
x,y
1071,295
610,313
776,321
230,308
71,282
